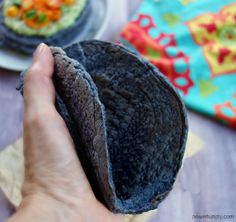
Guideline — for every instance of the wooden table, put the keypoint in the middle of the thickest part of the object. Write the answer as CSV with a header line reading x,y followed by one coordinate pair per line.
x,y
205,185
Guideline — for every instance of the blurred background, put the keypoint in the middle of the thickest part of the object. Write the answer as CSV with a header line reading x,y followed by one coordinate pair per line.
x,y
206,184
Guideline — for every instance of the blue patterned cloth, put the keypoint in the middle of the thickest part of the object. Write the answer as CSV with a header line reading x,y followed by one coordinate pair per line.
x,y
193,43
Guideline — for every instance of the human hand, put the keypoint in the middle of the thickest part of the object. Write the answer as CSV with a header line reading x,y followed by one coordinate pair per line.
x,y
55,186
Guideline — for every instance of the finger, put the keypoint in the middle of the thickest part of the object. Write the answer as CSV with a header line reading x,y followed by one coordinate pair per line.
x,y
39,91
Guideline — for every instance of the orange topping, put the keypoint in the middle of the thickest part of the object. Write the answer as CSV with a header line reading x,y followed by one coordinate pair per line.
x,y
13,11
54,15
69,2
34,24
39,13
40,4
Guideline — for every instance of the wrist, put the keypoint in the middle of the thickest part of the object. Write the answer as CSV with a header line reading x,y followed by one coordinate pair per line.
x,y
41,207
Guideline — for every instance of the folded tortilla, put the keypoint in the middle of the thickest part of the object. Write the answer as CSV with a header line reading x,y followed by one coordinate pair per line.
x,y
128,123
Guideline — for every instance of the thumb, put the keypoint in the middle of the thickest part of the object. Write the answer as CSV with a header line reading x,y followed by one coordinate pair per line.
x,y
39,90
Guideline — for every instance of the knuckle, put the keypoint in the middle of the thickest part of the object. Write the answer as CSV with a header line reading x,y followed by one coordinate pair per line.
x,y
35,121
32,73
35,75
40,119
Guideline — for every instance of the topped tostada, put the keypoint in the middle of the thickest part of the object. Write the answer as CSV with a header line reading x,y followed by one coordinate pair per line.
x,y
26,23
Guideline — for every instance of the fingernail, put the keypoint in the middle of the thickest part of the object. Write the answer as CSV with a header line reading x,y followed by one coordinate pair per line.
x,y
39,50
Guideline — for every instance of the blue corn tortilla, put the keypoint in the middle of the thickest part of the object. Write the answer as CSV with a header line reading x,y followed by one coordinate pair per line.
x,y
128,123
27,44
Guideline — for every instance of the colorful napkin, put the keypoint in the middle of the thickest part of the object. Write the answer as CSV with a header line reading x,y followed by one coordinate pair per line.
x,y
193,43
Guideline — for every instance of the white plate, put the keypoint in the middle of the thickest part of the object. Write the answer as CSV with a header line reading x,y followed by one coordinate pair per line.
x,y
15,61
